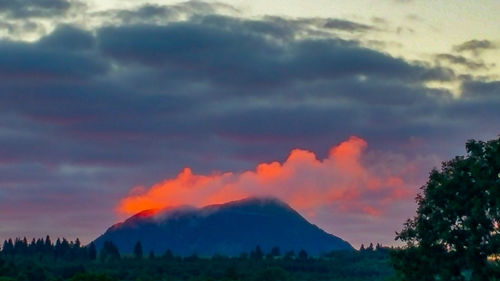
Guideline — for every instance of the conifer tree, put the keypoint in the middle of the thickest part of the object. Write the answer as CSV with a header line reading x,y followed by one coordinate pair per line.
x,y
138,250
303,255
92,252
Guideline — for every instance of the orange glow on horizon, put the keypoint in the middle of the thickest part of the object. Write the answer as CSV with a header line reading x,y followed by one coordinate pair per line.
x,y
339,182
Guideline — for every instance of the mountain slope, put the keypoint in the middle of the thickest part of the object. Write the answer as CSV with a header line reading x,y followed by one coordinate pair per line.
x,y
228,229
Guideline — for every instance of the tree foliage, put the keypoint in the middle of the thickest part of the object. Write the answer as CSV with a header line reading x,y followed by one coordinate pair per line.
x,y
138,250
456,229
109,251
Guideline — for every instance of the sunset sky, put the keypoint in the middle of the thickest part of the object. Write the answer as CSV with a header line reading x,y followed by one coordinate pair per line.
x,y
339,108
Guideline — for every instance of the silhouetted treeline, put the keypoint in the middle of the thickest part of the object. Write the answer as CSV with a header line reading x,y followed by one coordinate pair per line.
x,y
46,248
46,260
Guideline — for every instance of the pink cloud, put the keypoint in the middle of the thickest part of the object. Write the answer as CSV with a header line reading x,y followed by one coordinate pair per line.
x,y
341,182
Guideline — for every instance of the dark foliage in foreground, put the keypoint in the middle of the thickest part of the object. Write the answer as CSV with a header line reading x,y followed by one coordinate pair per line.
x,y
456,232
43,260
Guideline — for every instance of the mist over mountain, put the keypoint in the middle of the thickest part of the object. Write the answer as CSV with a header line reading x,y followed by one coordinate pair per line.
x,y
229,229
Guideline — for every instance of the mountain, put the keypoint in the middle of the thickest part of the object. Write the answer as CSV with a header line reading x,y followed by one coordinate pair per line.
x,y
227,229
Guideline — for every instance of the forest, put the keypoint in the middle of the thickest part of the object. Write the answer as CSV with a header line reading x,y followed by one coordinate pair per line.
x,y
45,260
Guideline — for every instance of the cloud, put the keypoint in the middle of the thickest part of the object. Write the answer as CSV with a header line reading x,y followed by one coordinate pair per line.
x,y
68,37
33,8
58,55
346,25
475,46
483,90
340,181
460,60
24,61
217,53
162,14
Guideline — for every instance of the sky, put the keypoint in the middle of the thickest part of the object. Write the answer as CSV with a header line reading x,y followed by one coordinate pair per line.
x,y
339,108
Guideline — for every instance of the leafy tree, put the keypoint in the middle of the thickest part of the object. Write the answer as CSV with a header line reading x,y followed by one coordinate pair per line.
x,y
138,250
457,226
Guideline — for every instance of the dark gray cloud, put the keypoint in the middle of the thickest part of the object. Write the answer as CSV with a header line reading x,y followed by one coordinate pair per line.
x,y
475,46
33,8
461,60
155,13
68,37
26,61
485,90
240,56
346,25
87,114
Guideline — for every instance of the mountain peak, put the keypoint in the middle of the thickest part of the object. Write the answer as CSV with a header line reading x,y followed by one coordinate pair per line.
x,y
252,201
229,228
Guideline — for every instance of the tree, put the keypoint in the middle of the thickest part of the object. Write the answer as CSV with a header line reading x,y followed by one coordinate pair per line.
x,y
273,274
275,252
457,225
138,250
8,247
48,244
168,255
109,251
92,253
257,253
303,255
289,255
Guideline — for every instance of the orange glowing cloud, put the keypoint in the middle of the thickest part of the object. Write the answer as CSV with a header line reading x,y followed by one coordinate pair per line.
x,y
341,182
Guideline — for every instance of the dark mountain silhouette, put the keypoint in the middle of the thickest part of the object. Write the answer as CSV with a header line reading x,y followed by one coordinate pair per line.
x,y
228,229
